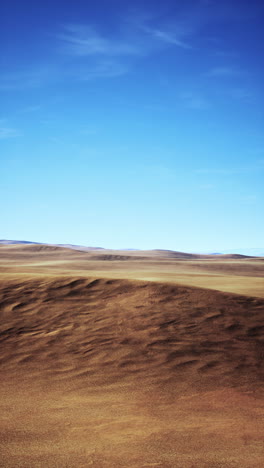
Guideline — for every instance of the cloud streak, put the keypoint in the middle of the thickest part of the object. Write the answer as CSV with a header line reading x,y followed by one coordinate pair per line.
x,y
81,40
99,55
166,36
194,101
222,72
85,40
104,68
33,77
7,133
222,171
29,109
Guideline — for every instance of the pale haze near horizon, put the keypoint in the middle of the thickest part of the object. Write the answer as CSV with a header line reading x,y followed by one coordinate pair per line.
x,y
132,126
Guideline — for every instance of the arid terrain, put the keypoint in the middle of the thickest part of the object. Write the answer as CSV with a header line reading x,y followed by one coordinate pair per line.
x,y
130,359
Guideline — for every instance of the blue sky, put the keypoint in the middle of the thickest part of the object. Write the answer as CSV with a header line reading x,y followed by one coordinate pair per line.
x,y
132,124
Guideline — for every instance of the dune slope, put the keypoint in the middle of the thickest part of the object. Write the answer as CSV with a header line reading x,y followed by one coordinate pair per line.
x,y
124,373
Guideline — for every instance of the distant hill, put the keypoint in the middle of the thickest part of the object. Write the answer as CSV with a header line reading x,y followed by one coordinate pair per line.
x,y
173,254
68,246
252,252
230,253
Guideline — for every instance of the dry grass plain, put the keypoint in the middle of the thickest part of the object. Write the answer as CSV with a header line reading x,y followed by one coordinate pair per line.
x,y
130,359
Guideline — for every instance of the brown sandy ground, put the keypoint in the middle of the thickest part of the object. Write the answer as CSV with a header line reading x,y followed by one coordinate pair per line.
x,y
118,373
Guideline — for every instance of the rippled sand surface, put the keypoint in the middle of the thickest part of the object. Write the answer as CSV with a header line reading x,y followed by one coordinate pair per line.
x,y
111,372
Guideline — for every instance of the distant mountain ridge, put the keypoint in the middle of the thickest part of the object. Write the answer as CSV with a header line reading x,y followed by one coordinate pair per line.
x,y
251,252
244,252
4,241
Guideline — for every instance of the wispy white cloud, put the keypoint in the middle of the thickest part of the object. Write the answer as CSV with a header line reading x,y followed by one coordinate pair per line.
x,y
155,171
85,40
195,101
241,94
160,171
29,109
225,54
56,140
207,186
234,88
260,162
255,166
6,133
249,199
81,40
109,56
223,71
221,171
166,36
105,68
31,78
89,130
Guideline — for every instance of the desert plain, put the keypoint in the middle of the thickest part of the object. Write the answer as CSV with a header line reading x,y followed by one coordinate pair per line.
x,y
130,358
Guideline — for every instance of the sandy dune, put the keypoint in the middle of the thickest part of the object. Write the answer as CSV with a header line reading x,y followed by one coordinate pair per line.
x,y
107,372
